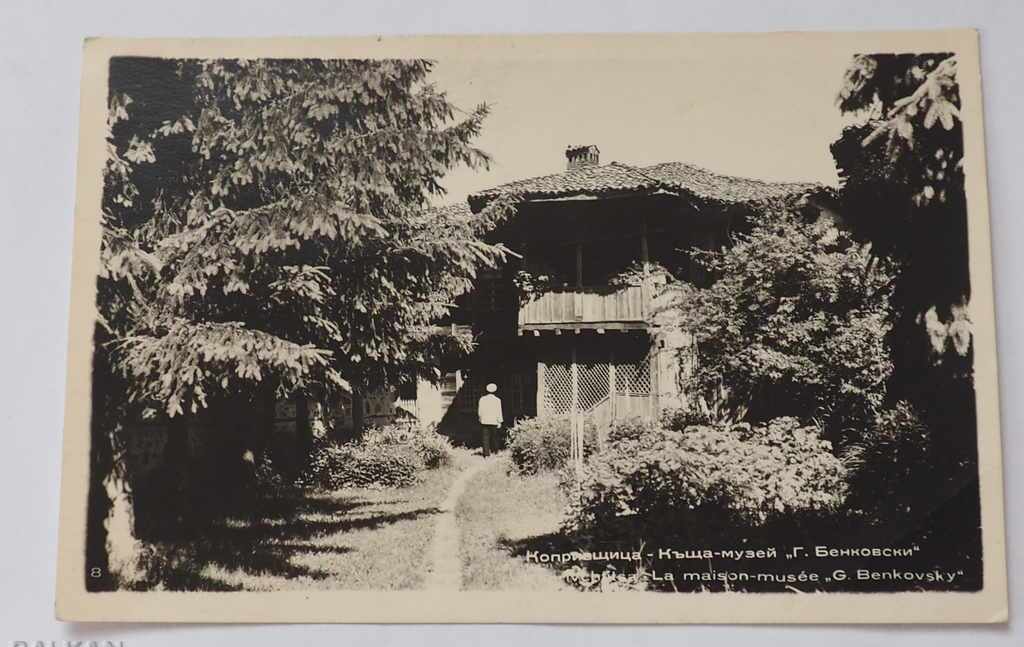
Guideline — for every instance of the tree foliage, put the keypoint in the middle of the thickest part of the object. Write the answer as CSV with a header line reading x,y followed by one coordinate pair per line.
x,y
902,188
268,222
793,325
901,166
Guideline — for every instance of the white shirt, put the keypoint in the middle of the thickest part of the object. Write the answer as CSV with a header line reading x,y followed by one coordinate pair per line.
x,y
489,410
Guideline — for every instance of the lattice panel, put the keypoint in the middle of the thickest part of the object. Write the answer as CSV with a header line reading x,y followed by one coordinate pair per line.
x,y
593,385
558,389
633,379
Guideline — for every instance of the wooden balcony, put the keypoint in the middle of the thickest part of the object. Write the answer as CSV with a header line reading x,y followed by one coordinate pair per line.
x,y
603,307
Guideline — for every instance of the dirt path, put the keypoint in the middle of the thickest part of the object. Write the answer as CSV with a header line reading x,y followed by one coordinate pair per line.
x,y
444,566
503,517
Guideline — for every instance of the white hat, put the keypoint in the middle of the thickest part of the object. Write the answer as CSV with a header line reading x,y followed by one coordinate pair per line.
x,y
492,387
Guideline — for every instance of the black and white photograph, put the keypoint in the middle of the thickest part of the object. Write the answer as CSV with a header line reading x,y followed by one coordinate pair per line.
x,y
654,324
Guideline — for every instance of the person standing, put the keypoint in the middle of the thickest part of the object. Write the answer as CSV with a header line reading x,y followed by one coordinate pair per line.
x,y
489,414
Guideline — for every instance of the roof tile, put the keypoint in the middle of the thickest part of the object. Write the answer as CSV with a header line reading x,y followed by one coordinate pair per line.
x,y
723,188
594,180
675,177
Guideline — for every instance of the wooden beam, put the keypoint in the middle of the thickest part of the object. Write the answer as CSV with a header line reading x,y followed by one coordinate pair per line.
x,y
579,265
569,325
644,251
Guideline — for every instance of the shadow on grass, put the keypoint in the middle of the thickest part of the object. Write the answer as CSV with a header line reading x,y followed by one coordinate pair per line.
x,y
553,543
547,543
262,541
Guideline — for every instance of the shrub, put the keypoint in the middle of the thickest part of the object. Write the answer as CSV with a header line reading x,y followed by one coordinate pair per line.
x,y
673,482
387,456
542,444
890,464
715,407
433,449
632,429
267,475
795,323
680,418
360,464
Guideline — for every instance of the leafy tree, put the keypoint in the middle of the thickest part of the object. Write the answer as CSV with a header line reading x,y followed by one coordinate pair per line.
x,y
902,188
901,169
793,325
267,229
299,246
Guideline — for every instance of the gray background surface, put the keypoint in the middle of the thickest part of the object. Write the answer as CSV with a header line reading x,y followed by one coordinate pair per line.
x,y
40,58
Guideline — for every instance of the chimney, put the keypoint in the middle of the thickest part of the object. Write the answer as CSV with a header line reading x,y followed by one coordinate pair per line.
x,y
580,156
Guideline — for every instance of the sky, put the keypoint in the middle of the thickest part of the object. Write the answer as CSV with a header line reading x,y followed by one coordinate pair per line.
x,y
767,114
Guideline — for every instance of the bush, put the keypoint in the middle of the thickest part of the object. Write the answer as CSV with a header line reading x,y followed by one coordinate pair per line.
x,y
795,324
358,464
630,430
890,465
543,444
433,449
674,482
387,456
680,418
267,475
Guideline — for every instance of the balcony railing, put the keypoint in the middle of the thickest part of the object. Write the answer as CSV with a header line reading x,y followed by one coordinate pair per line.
x,y
624,307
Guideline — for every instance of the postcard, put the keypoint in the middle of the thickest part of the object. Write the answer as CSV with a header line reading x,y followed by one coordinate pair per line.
x,y
661,328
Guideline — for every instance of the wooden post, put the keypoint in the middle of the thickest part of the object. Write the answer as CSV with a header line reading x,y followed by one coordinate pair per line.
x,y
654,369
645,260
611,380
577,302
575,382
575,421
644,251
579,264
541,409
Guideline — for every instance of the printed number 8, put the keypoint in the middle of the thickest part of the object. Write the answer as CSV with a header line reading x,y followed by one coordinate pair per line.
x,y
95,571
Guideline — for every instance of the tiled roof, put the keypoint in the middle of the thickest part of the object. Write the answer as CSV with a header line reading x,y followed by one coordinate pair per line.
x,y
673,177
593,180
722,188
453,210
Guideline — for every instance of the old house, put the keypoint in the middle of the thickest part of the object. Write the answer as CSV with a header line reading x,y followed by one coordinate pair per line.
x,y
570,325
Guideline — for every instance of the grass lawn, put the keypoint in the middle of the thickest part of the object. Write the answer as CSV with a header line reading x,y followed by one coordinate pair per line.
x,y
343,539
500,517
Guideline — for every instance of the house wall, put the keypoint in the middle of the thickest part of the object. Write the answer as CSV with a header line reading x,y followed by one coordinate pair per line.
x,y
579,242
